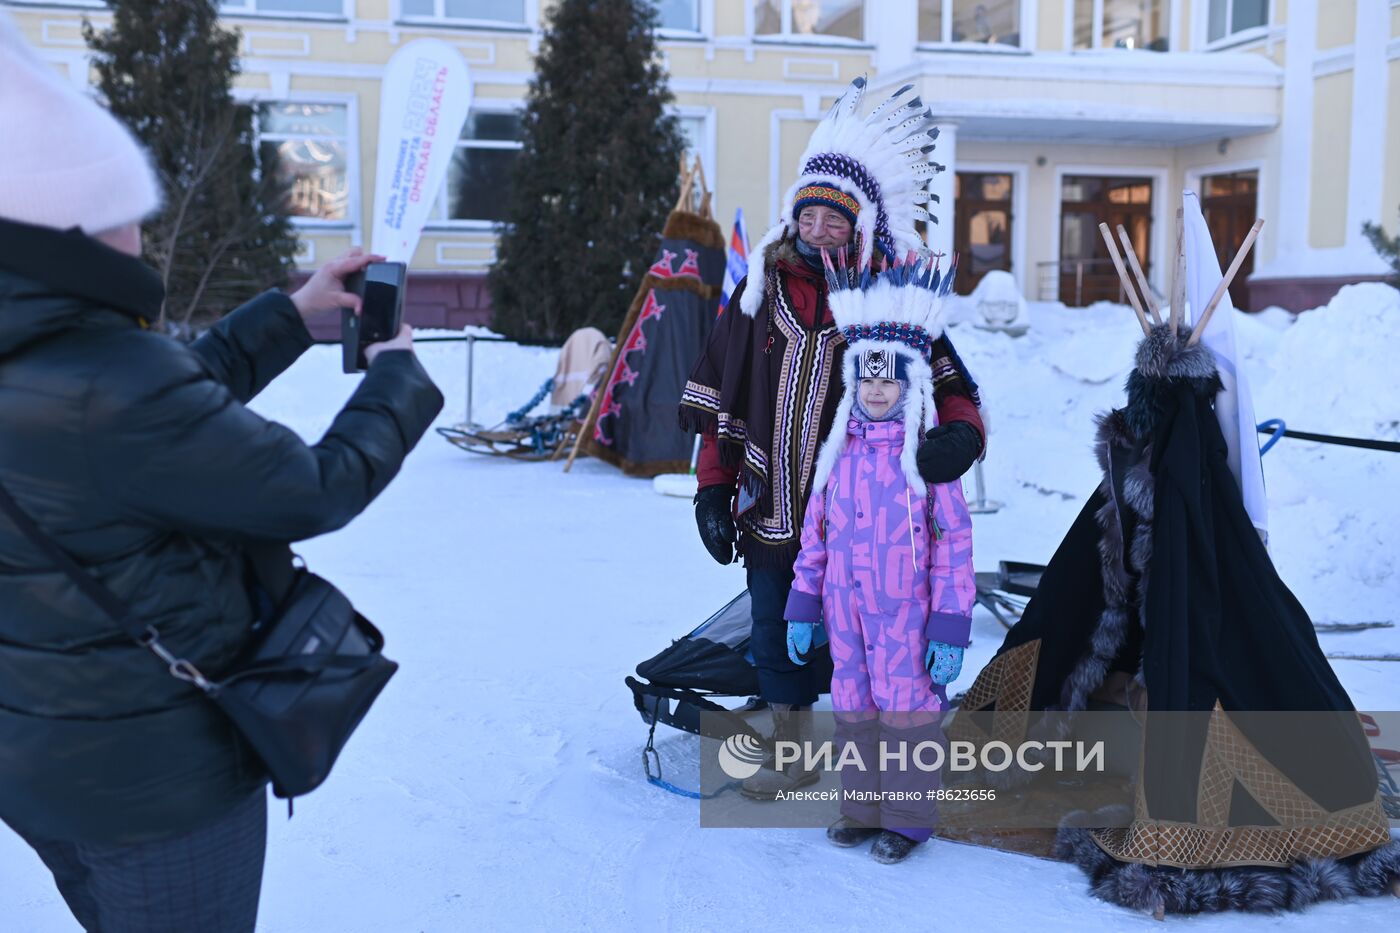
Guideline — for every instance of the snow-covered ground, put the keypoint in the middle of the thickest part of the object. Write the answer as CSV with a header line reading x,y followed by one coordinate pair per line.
x,y
498,784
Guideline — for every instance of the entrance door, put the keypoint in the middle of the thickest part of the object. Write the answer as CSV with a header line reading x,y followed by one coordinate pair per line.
x,y
982,229
1086,271
1230,204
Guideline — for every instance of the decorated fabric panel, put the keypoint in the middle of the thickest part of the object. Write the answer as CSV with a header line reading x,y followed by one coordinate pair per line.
x,y
667,327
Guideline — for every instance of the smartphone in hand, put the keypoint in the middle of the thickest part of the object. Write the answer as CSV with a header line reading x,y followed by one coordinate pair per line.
x,y
381,288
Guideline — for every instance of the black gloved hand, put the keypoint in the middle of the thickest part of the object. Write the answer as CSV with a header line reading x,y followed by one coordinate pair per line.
x,y
948,451
715,517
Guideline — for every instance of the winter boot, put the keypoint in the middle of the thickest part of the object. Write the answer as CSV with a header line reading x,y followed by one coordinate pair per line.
x,y
847,833
769,781
891,847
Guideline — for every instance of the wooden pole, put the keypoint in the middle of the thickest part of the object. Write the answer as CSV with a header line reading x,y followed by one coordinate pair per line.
x,y
1123,277
705,193
1178,309
1147,295
687,178
592,417
1229,277
700,173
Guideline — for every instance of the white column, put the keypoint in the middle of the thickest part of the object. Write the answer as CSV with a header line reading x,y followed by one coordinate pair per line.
x,y
893,28
1368,120
945,153
1294,183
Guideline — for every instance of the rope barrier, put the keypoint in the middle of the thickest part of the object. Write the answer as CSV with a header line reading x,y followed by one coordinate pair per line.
x,y
1278,429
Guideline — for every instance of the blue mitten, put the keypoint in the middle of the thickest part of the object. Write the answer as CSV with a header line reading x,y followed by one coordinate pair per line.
x,y
799,641
944,661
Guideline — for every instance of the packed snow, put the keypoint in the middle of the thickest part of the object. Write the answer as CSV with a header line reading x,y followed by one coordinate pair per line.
x,y
497,784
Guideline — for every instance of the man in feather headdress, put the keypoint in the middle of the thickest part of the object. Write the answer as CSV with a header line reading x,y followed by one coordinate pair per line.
x,y
765,391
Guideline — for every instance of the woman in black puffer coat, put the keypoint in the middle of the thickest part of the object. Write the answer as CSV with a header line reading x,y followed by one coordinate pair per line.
x,y
137,455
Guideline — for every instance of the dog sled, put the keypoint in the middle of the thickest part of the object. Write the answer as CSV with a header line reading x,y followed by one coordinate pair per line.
x,y
583,361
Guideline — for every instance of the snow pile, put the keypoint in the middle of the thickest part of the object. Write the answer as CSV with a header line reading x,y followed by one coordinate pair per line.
x,y
1347,355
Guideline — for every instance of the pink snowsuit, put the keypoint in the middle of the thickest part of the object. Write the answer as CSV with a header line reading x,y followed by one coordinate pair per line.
x,y
884,590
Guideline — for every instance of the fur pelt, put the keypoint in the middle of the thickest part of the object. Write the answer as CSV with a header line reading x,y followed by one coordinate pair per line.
x,y
1161,359
1248,888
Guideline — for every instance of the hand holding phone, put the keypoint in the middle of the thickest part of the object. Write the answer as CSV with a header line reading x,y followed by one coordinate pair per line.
x,y
381,288
403,340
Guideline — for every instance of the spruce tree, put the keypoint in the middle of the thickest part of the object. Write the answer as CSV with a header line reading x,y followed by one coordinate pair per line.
x,y
1387,247
166,70
596,178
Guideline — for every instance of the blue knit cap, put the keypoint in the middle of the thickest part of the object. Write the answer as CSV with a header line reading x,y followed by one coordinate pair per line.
x,y
826,196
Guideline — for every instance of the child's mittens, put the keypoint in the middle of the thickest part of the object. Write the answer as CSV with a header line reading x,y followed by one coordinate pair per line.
x,y
799,642
944,661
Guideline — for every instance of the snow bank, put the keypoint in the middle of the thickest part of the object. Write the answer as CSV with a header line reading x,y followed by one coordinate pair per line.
x,y
1337,368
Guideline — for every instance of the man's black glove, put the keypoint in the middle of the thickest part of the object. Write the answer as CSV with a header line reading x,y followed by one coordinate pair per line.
x,y
948,451
715,518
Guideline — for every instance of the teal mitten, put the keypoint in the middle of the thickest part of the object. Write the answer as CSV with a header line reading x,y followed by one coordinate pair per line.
x,y
799,641
944,661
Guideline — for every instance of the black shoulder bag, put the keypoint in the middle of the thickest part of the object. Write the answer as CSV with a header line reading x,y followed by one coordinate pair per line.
x,y
308,677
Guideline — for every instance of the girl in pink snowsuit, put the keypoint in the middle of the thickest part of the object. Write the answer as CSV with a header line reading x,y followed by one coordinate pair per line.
x,y
886,565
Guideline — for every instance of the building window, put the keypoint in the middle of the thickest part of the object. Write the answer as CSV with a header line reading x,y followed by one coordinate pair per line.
x,y
1227,17
1122,24
479,178
310,143
511,12
842,19
678,15
317,7
1086,272
982,227
693,131
984,22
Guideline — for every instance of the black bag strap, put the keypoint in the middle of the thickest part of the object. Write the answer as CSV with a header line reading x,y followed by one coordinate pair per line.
x,y
106,600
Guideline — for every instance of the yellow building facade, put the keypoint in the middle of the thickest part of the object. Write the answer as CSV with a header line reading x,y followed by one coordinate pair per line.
x,y
1054,114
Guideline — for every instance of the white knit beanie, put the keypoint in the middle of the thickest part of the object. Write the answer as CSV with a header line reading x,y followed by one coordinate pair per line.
x,y
64,161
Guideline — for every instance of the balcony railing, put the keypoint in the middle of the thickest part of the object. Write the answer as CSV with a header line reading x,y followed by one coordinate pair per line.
x,y
1079,282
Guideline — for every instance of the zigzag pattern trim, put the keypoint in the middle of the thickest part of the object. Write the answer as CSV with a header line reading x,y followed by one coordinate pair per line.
x,y
912,336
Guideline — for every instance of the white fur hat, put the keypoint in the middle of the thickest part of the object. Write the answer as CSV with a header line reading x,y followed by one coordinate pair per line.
x,y
64,161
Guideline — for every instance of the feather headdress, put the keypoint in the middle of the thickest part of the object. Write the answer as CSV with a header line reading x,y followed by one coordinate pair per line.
x,y
874,168
899,313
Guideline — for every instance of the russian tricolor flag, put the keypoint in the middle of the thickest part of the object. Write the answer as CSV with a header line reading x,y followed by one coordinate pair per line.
x,y
737,265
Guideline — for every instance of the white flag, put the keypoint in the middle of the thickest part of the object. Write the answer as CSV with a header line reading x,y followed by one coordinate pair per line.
x,y
425,98
1233,406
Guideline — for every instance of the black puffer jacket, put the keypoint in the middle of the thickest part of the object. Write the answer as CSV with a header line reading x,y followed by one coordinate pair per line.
x,y
137,455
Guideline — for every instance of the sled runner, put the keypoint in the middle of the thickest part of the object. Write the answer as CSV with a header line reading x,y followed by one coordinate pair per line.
x,y
537,438
522,436
1005,593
